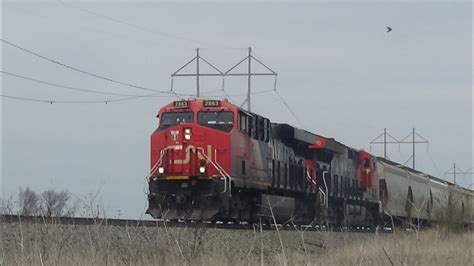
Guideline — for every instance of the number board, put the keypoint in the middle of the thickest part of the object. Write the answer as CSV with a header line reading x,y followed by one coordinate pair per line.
x,y
212,103
180,104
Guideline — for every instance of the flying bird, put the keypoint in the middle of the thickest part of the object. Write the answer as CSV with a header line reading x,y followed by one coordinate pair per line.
x,y
389,29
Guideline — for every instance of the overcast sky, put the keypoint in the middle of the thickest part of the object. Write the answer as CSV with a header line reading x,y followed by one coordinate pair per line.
x,y
338,69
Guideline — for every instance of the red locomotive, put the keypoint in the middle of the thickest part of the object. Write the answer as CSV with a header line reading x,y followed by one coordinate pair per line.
x,y
211,160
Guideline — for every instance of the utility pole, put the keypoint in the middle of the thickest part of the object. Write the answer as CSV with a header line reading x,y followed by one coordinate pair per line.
x,y
249,74
251,59
456,170
414,142
413,154
384,142
393,140
197,72
249,78
454,173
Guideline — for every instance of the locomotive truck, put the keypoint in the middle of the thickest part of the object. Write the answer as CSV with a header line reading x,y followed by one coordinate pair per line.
x,y
213,161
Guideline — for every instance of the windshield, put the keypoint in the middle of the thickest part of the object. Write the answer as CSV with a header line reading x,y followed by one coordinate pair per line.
x,y
171,119
219,120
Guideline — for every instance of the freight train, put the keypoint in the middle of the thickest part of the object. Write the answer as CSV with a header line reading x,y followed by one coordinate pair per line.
x,y
213,161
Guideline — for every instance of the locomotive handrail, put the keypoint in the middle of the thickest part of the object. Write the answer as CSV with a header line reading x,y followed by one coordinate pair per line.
x,y
218,168
158,163
153,169
324,196
310,179
326,187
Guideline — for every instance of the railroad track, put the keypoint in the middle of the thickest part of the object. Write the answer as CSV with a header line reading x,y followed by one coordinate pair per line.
x,y
77,221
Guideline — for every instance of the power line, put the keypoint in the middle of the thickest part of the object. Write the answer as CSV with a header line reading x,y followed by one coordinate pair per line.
x,y
245,94
258,92
225,94
83,71
136,26
127,96
289,108
73,88
434,164
50,101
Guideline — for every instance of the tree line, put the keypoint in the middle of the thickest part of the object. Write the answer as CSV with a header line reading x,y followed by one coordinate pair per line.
x,y
49,203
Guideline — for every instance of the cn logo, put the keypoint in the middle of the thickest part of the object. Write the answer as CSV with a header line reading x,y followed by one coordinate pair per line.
x,y
174,135
187,157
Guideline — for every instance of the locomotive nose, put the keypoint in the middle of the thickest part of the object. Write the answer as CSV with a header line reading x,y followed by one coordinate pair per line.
x,y
178,153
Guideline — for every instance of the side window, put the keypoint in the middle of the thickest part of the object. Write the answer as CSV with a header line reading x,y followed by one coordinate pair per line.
x,y
265,127
255,127
242,121
250,129
267,130
261,128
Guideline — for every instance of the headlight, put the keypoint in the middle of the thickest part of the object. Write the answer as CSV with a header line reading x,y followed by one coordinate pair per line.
x,y
187,133
161,170
202,169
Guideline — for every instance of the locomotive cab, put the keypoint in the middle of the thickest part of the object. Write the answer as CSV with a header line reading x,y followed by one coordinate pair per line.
x,y
190,159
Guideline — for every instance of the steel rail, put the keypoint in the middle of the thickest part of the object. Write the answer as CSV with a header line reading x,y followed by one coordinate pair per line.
x,y
81,221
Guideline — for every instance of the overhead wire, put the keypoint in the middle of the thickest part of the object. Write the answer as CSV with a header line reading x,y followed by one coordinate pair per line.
x,y
129,96
132,25
50,101
434,164
225,94
120,21
126,96
286,104
140,27
289,108
74,88
224,91
83,71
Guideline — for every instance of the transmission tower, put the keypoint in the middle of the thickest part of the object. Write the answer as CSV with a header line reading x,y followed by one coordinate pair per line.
x,y
413,142
249,58
457,171
249,74
198,74
384,142
393,140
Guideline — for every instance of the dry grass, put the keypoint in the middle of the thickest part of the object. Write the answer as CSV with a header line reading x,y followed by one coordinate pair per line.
x,y
48,244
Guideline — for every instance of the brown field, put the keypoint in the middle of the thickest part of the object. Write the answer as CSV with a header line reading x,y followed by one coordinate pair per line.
x,y
50,244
